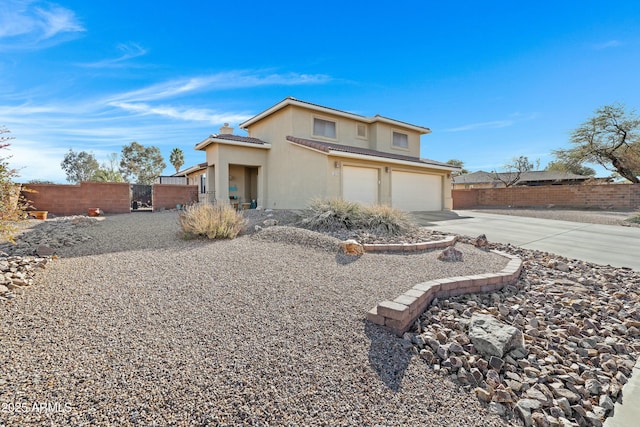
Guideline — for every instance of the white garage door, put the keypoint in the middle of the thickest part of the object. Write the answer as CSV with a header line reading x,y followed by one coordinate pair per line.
x,y
416,192
360,184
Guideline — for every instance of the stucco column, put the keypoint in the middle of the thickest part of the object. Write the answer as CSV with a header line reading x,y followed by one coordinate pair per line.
x,y
447,202
222,182
261,200
210,183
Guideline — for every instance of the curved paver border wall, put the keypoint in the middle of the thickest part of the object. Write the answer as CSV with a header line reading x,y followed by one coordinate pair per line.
x,y
398,315
410,247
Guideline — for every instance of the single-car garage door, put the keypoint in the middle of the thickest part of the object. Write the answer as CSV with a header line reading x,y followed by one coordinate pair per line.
x,y
416,191
360,184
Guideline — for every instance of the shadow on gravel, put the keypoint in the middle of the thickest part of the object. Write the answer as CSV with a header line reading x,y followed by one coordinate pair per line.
x,y
344,259
387,355
427,219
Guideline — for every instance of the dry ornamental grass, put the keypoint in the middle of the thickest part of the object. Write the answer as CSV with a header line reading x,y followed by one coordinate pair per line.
x,y
219,221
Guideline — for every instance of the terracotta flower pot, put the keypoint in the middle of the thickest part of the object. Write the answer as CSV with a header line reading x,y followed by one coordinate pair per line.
x,y
94,211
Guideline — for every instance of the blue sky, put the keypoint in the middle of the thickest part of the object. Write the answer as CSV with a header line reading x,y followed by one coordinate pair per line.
x,y
493,80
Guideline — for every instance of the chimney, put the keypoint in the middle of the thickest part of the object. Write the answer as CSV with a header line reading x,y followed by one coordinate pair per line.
x,y
226,130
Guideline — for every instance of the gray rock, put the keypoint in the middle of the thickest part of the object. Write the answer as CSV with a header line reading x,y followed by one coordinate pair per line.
x,y
450,254
606,402
593,386
492,337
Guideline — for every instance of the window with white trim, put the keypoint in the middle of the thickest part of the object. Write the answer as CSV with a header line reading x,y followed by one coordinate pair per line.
x,y
400,140
325,128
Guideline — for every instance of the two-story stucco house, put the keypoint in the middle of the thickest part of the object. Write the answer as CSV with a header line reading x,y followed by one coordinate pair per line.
x,y
296,151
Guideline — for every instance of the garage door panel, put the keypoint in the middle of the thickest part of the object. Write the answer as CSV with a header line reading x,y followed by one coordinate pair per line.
x,y
416,192
360,184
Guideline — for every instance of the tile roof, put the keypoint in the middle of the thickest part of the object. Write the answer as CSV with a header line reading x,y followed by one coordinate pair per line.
x,y
481,177
238,138
327,147
229,137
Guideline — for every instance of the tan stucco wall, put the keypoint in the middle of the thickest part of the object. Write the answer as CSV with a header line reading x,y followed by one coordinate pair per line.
x,y
227,161
383,140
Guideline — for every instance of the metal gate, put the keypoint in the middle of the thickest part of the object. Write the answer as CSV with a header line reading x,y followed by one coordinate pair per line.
x,y
141,197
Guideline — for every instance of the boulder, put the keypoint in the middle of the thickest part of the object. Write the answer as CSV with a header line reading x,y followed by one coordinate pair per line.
x,y
494,338
481,242
450,254
351,247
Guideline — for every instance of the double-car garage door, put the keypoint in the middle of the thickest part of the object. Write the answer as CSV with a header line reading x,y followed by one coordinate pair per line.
x,y
416,191
409,191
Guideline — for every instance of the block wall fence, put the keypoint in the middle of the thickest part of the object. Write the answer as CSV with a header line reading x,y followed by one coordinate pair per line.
x,y
110,197
608,196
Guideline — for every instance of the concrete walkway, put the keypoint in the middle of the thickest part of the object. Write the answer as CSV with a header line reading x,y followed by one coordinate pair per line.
x,y
601,244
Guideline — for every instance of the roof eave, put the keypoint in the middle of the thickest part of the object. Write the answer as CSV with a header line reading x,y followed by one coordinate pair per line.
x,y
204,144
291,101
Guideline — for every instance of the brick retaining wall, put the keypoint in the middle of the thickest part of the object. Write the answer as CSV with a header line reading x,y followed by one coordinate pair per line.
x,y
398,315
110,197
608,196
167,196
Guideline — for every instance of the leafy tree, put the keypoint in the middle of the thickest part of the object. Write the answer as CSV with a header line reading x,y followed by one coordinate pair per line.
x,y
576,168
108,171
514,169
141,164
176,158
79,166
611,138
12,204
460,164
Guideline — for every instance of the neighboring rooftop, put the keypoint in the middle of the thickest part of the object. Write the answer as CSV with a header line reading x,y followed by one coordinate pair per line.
x,y
482,177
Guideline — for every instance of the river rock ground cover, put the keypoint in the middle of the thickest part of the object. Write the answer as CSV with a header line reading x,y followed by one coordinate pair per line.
x,y
263,330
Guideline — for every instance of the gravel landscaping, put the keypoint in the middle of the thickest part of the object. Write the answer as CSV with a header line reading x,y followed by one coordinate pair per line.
x,y
135,326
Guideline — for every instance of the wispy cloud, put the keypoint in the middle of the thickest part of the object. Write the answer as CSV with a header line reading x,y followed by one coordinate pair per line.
x,y
28,24
166,115
494,124
188,114
128,51
218,81
606,45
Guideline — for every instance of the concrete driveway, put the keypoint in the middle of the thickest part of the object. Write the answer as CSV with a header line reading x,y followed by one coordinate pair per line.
x,y
601,244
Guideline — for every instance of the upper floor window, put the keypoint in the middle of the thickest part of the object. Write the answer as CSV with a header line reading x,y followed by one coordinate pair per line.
x,y
324,128
361,130
400,140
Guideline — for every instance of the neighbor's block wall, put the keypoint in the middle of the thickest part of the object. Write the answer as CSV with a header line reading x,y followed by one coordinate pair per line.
x,y
167,196
110,197
610,196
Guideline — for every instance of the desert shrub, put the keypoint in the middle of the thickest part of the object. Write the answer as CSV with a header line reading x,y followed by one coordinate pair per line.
x,y
333,215
634,219
217,221
13,205
383,220
337,214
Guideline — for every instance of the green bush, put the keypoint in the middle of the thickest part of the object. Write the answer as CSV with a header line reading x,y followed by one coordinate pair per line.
x,y
218,221
337,214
